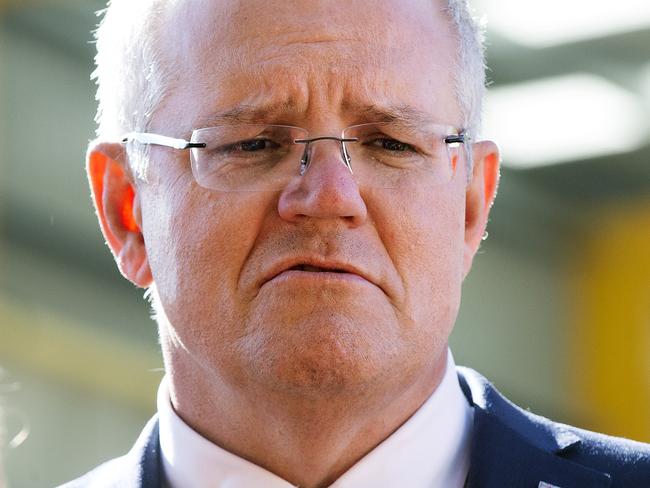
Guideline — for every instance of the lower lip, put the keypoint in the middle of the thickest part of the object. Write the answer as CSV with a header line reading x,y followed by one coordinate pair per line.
x,y
320,277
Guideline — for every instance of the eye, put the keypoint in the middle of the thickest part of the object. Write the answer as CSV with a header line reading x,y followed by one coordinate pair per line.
x,y
392,145
253,145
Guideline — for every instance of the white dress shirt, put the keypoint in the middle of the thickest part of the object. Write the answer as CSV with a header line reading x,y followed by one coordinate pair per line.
x,y
430,450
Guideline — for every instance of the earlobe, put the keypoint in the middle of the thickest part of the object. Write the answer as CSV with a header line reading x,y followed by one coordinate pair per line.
x,y
118,210
480,195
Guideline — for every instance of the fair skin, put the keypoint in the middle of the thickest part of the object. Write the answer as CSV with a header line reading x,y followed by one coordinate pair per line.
x,y
306,374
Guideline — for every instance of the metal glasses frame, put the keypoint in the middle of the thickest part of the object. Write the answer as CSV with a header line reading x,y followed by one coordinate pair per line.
x,y
182,144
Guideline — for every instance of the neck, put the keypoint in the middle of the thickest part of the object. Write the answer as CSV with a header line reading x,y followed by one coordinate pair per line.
x,y
308,440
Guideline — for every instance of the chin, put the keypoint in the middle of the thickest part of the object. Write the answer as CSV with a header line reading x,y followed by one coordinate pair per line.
x,y
324,351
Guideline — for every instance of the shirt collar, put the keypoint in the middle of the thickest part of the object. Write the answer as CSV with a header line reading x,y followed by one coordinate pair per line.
x,y
431,449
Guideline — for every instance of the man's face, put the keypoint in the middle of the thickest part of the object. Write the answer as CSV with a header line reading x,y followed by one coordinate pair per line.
x,y
319,65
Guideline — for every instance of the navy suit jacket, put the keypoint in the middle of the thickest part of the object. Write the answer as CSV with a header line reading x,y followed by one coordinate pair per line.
x,y
511,448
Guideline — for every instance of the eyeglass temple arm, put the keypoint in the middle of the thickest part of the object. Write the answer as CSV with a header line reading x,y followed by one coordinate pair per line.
x,y
457,138
158,140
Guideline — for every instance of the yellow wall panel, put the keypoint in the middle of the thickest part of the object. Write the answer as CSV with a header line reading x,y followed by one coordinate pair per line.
x,y
609,354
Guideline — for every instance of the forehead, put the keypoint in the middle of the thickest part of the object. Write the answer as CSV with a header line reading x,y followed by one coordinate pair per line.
x,y
319,56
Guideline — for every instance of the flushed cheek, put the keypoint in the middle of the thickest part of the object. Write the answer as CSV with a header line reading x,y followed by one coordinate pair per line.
x,y
194,257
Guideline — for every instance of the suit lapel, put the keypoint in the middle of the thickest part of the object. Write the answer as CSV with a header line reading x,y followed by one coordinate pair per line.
x,y
511,447
143,465
150,465
501,457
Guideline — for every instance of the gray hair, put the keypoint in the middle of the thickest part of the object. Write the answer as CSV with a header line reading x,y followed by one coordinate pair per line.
x,y
133,75
470,72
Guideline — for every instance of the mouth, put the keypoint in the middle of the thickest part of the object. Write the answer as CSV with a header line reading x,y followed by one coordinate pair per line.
x,y
315,269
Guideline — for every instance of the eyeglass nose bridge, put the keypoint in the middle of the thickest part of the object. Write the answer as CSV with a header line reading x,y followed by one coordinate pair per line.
x,y
305,160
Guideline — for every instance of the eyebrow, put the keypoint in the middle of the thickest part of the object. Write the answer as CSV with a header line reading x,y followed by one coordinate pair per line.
x,y
403,114
247,114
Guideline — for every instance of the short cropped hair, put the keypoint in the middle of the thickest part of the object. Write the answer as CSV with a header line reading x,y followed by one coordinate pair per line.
x,y
134,74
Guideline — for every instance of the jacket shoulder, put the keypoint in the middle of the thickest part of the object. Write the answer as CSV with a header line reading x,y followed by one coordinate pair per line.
x,y
627,461
139,468
624,462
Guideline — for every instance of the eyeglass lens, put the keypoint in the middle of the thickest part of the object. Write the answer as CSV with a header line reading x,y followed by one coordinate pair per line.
x,y
267,157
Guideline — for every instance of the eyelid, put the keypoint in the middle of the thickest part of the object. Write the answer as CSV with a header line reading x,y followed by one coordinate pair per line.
x,y
384,135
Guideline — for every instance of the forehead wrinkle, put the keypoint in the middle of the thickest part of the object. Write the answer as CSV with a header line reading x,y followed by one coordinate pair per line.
x,y
314,95
247,113
402,113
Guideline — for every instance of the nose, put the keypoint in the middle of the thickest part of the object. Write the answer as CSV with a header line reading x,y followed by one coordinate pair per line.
x,y
325,190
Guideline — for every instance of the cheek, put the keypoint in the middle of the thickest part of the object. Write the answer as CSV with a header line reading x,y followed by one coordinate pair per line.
x,y
196,245
425,242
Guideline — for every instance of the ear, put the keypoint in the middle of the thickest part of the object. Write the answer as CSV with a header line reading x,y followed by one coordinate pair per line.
x,y
118,209
480,194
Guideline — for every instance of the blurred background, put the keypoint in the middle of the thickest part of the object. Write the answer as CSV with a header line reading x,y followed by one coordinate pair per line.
x,y
556,311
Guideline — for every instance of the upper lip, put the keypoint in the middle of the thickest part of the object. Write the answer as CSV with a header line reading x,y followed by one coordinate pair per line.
x,y
320,262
